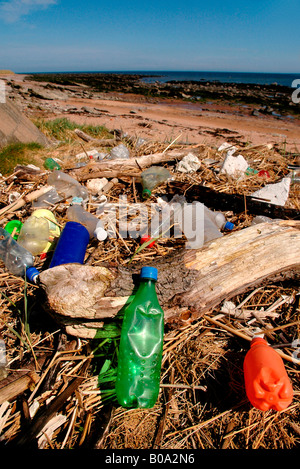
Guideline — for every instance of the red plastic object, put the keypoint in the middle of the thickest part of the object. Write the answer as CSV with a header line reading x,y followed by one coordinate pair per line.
x,y
144,239
264,173
266,380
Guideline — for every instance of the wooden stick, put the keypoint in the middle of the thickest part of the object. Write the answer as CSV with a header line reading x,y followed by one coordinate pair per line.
x,y
248,338
24,200
17,387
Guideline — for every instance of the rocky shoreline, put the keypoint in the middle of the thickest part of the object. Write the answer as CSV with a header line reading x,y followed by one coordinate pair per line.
x,y
201,112
268,99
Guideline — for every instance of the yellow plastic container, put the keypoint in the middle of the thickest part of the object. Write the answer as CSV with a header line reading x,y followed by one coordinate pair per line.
x,y
53,226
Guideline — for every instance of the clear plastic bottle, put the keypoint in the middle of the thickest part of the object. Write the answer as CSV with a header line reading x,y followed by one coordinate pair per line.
x,y
17,259
34,235
66,185
160,226
141,345
152,177
46,200
263,219
77,213
266,381
218,218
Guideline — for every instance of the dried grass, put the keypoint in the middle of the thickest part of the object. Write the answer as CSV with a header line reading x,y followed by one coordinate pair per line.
x,y
202,403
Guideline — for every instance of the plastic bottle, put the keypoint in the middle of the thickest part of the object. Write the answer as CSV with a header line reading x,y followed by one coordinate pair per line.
x,y
141,344
263,219
152,177
71,246
17,259
50,163
266,380
218,219
66,185
46,200
119,152
54,230
163,226
34,235
77,213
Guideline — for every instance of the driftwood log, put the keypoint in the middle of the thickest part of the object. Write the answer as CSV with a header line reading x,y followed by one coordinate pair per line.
x,y
120,167
191,283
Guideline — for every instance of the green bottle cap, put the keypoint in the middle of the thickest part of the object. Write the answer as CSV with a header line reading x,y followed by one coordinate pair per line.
x,y
146,193
14,225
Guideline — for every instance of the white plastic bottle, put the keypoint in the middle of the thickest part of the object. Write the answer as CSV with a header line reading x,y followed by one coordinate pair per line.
x,y
66,185
17,259
218,219
77,213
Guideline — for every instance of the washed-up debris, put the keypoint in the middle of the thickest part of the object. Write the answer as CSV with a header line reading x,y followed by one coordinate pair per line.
x,y
96,185
189,164
234,165
274,193
84,299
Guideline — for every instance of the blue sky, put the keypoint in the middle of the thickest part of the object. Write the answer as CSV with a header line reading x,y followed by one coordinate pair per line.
x,y
65,35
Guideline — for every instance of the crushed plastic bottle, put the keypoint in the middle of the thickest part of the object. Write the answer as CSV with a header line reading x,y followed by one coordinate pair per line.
x,y
54,230
17,259
34,235
266,381
119,152
141,344
152,177
67,186
77,213
47,200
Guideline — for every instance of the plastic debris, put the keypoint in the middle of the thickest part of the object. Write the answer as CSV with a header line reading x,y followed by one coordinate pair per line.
x,y
234,165
276,193
189,164
119,152
95,186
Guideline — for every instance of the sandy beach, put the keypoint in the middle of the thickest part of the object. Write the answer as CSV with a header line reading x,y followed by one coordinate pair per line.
x,y
155,118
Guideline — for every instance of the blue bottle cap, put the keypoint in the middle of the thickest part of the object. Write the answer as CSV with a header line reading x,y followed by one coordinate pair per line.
x,y
32,273
228,226
149,272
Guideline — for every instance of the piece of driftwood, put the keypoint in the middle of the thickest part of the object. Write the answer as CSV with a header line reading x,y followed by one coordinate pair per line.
x,y
82,298
18,386
123,166
105,142
238,203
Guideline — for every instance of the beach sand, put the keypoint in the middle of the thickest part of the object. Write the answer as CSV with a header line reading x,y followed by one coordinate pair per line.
x,y
155,118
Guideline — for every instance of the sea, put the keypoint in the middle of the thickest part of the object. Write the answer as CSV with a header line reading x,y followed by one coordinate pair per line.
x,y
284,79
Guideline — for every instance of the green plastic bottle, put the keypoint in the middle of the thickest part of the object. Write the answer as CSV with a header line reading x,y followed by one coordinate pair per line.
x,y
141,344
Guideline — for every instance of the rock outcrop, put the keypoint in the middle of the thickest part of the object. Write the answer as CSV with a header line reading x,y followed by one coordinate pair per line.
x,y
16,127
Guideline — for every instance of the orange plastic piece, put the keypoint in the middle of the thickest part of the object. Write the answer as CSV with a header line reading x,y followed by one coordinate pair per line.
x,y
266,380
144,239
